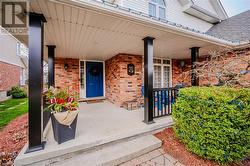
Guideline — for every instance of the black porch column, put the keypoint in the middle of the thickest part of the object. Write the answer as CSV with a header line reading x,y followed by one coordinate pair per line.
x,y
194,56
148,80
51,65
36,22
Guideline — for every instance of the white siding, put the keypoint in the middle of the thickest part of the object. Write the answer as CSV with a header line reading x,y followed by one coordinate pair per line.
x,y
8,50
174,12
139,5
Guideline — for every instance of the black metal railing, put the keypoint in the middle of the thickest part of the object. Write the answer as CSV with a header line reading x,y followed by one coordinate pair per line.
x,y
163,98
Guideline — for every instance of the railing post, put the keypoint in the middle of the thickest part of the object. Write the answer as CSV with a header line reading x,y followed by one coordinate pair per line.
x,y
194,56
36,22
51,65
148,80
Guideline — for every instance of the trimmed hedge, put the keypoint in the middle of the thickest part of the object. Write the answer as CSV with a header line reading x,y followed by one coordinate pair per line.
x,y
214,122
18,92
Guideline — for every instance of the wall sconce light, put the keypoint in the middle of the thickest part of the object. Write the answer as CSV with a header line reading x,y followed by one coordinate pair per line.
x,y
66,66
182,63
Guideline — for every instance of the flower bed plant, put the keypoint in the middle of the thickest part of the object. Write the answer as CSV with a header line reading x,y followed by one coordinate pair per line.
x,y
214,122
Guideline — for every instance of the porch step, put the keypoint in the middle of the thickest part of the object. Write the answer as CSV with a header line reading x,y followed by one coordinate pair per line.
x,y
113,154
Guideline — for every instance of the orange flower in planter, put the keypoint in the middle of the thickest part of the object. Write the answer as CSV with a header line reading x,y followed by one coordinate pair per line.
x,y
60,101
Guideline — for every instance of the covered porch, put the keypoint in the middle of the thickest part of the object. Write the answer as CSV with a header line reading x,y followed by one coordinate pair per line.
x,y
71,33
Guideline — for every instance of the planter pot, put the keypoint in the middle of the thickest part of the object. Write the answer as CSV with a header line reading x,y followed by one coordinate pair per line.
x,y
63,133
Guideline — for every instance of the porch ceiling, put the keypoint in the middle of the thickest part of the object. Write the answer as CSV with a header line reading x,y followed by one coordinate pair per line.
x,y
80,32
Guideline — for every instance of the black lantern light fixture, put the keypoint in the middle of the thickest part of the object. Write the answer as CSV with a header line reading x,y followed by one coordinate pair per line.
x,y
182,63
131,69
66,66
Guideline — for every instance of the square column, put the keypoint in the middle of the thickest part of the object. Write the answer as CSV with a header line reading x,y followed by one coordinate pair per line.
x,y
36,34
194,56
51,65
148,79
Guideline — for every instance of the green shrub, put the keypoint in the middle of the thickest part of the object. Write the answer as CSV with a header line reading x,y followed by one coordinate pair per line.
x,y
18,92
214,122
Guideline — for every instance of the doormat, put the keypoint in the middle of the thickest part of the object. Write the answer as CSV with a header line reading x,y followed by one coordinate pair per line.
x,y
94,101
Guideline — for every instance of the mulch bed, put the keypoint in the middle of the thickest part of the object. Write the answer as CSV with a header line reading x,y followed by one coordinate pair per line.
x,y
175,148
12,139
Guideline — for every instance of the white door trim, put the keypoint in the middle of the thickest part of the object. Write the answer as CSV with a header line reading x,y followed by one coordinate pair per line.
x,y
85,72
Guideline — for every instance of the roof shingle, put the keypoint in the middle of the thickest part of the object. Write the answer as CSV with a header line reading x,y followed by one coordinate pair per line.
x,y
236,28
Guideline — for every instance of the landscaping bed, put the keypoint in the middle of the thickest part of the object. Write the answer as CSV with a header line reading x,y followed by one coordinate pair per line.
x,y
211,126
176,149
13,129
12,139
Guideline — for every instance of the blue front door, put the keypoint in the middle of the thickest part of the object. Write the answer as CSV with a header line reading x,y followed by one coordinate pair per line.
x,y
94,79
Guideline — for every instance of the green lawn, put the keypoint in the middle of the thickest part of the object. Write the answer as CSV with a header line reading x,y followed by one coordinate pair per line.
x,y
12,108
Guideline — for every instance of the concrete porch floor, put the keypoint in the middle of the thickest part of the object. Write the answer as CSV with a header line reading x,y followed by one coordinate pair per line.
x,y
97,124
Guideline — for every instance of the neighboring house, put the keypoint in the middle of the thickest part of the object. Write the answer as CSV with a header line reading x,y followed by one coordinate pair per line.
x,y
13,62
122,51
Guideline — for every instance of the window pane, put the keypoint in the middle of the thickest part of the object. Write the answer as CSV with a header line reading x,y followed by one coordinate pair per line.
x,y
152,10
162,13
161,2
166,62
166,76
157,76
82,74
157,61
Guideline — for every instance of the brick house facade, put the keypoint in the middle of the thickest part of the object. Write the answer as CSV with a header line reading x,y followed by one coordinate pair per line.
x,y
177,70
9,76
67,78
227,58
119,86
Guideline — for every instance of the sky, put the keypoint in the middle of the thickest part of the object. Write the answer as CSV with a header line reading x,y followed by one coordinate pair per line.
x,y
234,7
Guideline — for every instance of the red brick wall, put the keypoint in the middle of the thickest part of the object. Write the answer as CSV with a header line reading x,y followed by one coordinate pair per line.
x,y
9,76
67,78
112,79
178,77
230,57
177,70
120,87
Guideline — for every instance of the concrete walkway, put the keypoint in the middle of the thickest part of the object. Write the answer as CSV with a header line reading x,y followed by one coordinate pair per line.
x,y
155,158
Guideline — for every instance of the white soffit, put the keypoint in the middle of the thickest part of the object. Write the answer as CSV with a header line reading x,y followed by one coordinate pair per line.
x,y
88,34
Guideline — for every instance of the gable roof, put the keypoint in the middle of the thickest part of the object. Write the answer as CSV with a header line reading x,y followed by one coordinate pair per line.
x,y
202,11
236,28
